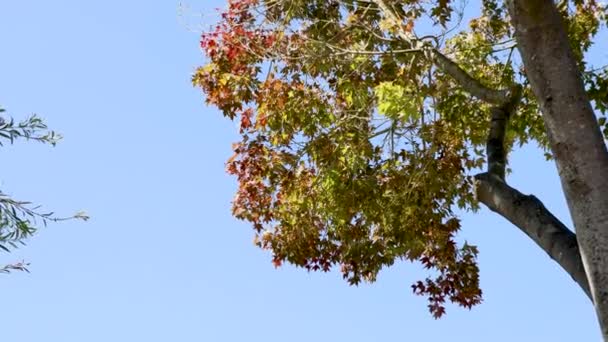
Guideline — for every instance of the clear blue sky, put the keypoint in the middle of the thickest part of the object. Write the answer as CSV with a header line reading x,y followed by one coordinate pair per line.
x,y
162,259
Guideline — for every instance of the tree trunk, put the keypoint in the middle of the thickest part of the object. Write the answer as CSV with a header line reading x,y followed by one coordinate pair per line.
x,y
574,135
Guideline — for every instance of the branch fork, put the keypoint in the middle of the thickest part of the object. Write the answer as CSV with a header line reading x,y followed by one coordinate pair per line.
x,y
525,211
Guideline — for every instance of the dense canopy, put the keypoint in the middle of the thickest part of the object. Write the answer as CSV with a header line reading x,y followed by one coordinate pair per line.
x,y
363,124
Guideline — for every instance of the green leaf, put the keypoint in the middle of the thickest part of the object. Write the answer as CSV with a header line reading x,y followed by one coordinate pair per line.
x,y
397,102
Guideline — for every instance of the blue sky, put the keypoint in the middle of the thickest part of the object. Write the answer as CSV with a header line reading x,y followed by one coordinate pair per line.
x,y
162,259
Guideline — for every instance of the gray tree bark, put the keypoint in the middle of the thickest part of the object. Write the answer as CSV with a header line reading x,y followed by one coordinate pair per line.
x,y
576,141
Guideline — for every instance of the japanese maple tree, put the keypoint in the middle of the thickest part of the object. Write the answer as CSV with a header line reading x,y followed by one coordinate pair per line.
x,y
365,124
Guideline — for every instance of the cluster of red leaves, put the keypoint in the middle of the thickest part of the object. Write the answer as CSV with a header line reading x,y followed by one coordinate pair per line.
x,y
253,199
458,281
257,202
235,48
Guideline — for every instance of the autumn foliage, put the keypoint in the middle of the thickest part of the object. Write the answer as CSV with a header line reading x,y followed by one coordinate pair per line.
x,y
356,151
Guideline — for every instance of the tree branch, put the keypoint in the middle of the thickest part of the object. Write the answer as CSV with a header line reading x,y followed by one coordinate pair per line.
x,y
576,141
470,84
497,156
526,212
530,215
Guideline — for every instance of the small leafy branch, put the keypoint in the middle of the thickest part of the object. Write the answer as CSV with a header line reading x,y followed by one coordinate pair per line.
x,y
32,128
19,266
19,219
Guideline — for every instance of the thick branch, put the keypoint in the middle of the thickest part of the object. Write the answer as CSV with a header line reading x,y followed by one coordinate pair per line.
x,y
530,216
575,137
470,84
497,156
526,212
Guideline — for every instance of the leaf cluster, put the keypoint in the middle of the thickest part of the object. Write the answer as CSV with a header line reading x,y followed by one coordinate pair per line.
x,y
356,150
19,219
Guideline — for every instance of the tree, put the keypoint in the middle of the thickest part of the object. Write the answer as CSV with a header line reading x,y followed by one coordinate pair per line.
x,y
366,123
19,219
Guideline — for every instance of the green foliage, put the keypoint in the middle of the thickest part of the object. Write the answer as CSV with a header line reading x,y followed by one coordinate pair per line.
x,y
397,102
32,128
356,150
19,219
